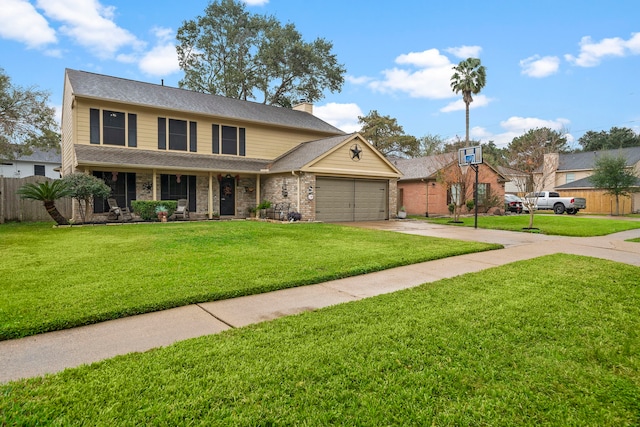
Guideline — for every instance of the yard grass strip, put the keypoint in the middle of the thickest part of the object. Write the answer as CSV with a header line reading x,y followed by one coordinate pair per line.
x,y
53,279
531,343
560,225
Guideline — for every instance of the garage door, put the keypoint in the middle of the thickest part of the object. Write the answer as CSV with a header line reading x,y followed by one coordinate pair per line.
x,y
342,200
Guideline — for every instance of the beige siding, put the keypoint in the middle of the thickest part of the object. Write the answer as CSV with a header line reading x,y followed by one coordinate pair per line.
x,y
67,129
340,162
262,142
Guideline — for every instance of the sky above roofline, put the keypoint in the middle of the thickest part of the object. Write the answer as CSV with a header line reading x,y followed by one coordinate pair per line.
x,y
569,65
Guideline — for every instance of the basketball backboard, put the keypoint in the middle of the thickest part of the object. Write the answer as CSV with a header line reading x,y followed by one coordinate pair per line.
x,y
470,156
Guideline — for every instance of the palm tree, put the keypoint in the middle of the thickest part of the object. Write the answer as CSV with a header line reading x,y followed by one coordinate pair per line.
x,y
47,192
469,78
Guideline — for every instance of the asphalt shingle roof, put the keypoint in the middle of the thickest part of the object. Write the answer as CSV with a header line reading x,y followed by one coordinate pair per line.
x,y
423,167
98,86
586,160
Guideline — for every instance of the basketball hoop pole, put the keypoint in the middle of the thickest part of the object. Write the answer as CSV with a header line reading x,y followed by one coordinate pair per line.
x,y
475,196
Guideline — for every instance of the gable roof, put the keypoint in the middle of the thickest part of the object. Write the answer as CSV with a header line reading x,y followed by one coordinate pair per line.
x,y
98,86
586,160
40,155
306,152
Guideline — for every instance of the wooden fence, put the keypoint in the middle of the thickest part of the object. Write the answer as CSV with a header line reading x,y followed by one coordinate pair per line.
x,y
14,208
600,203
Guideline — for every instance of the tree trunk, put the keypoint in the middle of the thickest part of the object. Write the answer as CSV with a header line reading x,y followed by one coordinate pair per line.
x,y
53,212
617,205
466,138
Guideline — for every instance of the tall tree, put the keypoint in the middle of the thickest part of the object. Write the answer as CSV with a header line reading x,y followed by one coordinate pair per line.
x,y
231,52
47,192
387,136
526,154
494,155
611,140
430,145
469,78
614,176
26,121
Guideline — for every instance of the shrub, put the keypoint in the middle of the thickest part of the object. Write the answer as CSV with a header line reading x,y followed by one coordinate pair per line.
x,y
146,209
294,216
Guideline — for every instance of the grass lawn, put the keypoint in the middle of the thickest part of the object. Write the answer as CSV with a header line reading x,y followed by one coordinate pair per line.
x,y
530,343
57,278
562,225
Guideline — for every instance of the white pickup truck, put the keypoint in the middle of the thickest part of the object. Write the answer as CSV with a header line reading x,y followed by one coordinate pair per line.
x,y
551,200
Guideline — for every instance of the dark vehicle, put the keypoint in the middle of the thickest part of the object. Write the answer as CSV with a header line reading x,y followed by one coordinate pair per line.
x,y
512,203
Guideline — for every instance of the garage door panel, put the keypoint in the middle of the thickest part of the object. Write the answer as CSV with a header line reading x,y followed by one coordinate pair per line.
x,y
343,200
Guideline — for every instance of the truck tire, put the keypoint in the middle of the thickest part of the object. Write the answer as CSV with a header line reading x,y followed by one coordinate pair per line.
x,y
575,211
558,209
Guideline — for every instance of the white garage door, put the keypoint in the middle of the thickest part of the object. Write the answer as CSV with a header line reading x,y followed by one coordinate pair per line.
x,y
342,200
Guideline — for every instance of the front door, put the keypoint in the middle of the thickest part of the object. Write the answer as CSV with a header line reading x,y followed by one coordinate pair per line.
x,y
227,196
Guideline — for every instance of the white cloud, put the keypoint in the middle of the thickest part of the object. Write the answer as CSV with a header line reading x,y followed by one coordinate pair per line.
x,y
592,53
459,105
535,66
342,116
430,58
465,52
425,74
358,80
91,25
256,2
162,59
516,126
16,16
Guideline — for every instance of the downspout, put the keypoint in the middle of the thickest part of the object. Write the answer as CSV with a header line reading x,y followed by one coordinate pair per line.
x,y
426,211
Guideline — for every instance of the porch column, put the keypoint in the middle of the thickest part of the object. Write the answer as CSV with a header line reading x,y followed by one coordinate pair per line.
x,y
257,189
210,195
155,187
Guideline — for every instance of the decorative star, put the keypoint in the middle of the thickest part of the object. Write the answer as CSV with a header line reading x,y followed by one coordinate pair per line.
x,y
355,152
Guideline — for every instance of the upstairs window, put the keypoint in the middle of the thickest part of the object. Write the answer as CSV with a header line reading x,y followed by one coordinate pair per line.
x,y
114,129
180,135
38,170
177,135
229,140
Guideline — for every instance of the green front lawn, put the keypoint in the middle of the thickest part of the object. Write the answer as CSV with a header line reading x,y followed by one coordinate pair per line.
x,y
552,341
562,225
57,278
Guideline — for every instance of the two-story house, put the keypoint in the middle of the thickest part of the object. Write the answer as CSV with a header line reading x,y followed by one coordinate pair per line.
x,y
154,142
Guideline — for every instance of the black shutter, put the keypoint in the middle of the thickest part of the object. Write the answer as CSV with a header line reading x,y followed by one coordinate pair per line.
x,y
94,126
192,193
164,187
243,147
133,130
162,133
193,136
215,130
131,188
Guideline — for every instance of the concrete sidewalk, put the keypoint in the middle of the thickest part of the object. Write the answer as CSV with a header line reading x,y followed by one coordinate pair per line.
x,y
56,351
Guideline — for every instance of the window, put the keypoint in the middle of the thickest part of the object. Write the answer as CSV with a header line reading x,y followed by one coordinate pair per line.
x,y
483,194
455,194
228,140
570,177
177,135
38,170
113,127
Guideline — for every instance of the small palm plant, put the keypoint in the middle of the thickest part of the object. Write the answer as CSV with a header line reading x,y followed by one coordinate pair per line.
x,y
47,192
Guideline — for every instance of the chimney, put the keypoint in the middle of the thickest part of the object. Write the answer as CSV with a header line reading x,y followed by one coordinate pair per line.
x,y
305,106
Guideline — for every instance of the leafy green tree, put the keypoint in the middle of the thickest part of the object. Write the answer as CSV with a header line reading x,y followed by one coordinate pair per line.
x,y
611,140
430,145
83,188
469,78
231,52
612,175
47,192
387,136
493,155
26,121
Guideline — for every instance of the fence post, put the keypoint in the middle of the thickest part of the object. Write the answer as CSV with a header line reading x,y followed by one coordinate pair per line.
x,y
2,196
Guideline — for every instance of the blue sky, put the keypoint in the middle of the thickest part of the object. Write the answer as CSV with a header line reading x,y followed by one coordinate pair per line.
x,y
569,65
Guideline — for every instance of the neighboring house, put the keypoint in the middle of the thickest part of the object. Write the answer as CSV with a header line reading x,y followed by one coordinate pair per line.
x,y
39,163
516,181
152,142
421,191
570,174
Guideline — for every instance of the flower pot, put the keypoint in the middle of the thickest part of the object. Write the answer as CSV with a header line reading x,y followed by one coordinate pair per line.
x,y
402,214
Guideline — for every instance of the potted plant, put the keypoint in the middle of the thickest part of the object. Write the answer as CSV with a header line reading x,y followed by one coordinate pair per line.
x,y
402,213
161,212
